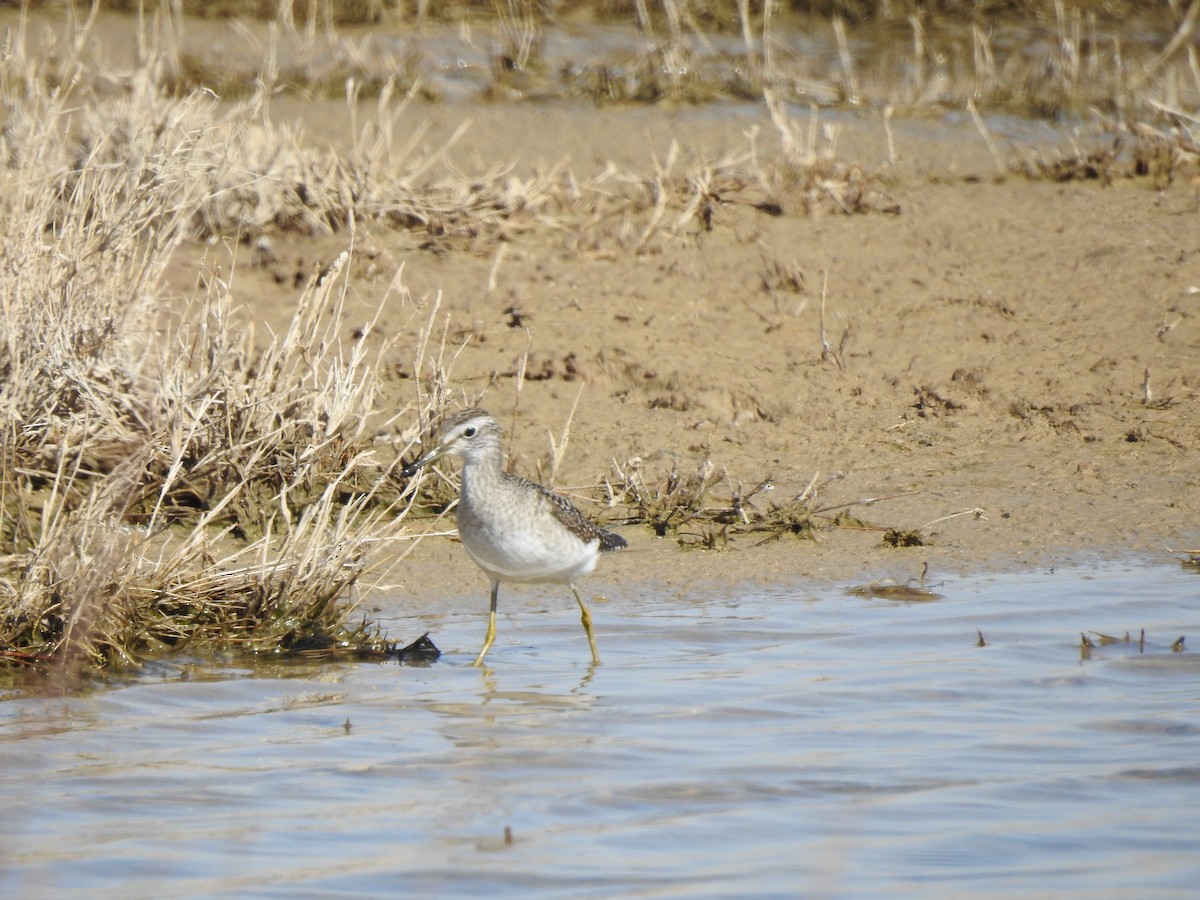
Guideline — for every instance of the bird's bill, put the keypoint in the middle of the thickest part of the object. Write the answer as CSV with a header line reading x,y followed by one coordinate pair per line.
x,y
432,456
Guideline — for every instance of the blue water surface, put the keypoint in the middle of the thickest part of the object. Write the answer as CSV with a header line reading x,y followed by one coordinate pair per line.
x,y
774,741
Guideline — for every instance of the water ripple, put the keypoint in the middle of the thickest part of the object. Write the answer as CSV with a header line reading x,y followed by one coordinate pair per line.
x,y
746,741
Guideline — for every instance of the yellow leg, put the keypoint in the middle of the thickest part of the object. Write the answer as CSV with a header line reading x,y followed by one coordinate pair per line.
x,y
491,632
586,618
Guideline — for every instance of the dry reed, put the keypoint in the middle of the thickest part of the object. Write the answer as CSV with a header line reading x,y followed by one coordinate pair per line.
x,y
165,481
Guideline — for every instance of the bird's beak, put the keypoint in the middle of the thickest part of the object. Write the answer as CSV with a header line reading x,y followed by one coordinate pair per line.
x,y
413,467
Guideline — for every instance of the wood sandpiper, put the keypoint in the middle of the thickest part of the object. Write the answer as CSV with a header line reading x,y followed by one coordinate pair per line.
x,y
514,529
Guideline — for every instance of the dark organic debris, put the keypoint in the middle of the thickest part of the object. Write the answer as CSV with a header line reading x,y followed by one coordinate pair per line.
x,y
1098,639
885,590
420,651
1190,560
899,537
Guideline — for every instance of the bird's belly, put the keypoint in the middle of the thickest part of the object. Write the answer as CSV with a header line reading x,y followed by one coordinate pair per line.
x,y
520,554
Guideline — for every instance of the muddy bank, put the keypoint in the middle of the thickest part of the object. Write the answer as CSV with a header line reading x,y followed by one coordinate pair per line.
x,y
1011,373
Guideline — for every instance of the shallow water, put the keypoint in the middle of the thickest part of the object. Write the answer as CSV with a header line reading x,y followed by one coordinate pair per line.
x,y
757,741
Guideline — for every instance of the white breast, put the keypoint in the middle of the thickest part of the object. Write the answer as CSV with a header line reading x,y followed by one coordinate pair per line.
x,y
513,536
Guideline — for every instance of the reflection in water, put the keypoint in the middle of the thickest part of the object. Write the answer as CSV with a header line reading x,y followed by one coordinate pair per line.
x,y
768,742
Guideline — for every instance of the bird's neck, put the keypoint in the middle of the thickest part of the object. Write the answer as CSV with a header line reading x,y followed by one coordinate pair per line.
x,y
482,471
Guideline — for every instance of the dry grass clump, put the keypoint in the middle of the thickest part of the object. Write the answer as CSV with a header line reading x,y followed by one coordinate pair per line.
x,y
252,176
263,177
805,176
342,12
682,504
716,14
678,200
1048,58
268,181
122,485
246,174
1141,150
164,479
1043,68
665,504
311,58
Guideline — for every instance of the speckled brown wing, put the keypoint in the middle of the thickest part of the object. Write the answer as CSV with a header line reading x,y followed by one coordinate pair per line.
x,y
575,521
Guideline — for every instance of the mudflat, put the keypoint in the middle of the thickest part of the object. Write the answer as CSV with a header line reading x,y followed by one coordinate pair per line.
x,y
990,371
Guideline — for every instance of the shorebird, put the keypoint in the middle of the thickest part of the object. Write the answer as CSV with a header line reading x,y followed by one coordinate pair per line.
x,y
514,529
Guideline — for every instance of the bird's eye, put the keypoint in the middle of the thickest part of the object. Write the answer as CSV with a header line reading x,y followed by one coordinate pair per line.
x,y
469,432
